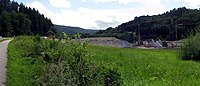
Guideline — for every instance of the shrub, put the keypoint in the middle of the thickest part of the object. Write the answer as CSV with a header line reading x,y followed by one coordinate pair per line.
x,y
190,49
69,65
63,62
111,76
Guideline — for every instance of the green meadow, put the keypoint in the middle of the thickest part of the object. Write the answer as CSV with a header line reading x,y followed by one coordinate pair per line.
x,y
140,67
137,67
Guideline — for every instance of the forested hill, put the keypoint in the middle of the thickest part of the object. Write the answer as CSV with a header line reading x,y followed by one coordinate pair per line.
x,y
164,26
17,19
74,30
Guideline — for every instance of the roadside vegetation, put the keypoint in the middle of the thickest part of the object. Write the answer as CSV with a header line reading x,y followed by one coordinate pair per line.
x,y
190,49
1,40
35,61
46,62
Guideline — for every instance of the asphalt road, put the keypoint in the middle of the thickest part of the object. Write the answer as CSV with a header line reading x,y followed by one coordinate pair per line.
x,y
3,61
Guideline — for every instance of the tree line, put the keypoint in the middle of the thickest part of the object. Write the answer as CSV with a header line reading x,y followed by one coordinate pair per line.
x,y
18,19
172,25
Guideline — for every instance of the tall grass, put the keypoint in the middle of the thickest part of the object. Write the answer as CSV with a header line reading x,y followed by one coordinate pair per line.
x,y
35,61
140,67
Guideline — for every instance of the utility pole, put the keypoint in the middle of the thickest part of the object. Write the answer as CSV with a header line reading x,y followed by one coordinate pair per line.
x,y
133,35
176,28
138,34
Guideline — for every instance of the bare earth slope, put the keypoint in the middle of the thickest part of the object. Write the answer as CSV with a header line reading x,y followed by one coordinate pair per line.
x,y
108,41
3,61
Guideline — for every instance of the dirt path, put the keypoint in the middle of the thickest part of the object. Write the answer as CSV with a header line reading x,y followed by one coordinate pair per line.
x,y
3,61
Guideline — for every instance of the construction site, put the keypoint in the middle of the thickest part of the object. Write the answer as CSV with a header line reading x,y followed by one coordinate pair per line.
x,y
147,44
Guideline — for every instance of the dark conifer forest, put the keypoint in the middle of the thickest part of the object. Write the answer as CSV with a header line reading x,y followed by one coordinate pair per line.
x,y
17,19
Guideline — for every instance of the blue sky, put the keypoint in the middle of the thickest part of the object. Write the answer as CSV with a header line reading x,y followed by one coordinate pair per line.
x,y
100,14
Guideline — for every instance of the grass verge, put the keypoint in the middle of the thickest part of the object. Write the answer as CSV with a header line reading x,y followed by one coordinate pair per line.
x,y
3,40
21,71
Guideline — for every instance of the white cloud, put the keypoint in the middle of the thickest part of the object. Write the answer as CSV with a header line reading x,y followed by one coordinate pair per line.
x,y
84,0
130,1
60,3
104,1
91,19
87,18
95,19
55,17
145,2
41,8
192,3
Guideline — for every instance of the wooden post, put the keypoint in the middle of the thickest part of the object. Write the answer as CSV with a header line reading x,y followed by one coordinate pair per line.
x,y
138,34
133,39
176,27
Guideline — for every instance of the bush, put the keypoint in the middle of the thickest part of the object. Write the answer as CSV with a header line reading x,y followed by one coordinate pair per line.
x,y
111,76
190,49
69,65
62,62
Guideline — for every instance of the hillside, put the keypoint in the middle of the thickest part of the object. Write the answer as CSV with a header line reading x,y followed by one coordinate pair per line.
x,y
171,25
74,30
18,19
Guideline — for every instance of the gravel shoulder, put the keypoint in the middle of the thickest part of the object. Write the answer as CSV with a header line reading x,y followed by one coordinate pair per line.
x,y
3,61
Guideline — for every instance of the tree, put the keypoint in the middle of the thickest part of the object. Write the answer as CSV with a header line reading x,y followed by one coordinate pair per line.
x,y
24,23
4,5
17,19
15,23
6,24
14,6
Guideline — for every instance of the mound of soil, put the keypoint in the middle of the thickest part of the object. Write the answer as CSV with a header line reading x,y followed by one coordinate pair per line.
x,y
108,41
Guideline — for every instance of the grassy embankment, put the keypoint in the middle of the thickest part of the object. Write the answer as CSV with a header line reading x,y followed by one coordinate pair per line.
x,y
21,70
1,40
137,66
7,38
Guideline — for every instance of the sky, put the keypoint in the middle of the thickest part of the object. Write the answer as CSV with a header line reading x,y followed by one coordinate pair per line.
x,y
101,14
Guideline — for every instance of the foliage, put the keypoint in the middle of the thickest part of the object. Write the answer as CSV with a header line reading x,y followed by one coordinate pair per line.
x,y
55,63
134,66
111,76
163,25
17,19
190,49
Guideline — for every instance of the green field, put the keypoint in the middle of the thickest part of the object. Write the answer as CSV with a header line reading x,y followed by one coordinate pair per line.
x,y
141,67
138,67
